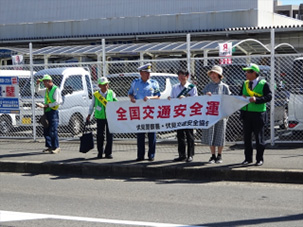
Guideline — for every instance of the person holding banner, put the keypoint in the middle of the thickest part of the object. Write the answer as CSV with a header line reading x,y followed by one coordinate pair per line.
x,y
145,88
99,101
52,101
182,90
254,114
215,135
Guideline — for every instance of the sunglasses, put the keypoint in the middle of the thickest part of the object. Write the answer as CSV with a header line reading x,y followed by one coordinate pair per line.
x,y
250,71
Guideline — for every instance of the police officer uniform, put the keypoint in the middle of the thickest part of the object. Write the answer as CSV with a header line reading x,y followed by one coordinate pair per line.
x,y
139,90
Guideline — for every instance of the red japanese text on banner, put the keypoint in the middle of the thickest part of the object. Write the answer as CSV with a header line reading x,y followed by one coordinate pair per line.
x,y
167,115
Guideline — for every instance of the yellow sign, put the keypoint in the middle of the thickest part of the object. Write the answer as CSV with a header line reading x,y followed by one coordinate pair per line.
x,y
26,120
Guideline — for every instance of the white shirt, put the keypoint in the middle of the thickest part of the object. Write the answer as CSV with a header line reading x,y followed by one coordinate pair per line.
x,y
255,82
92,105
177,88
56,96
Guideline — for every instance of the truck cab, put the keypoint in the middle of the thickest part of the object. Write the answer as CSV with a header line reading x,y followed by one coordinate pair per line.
x,y
8,121
77,92
294,84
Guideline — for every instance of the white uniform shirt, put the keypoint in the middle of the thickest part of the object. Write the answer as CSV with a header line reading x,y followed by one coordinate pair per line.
x,y
255,82
56,96
177,88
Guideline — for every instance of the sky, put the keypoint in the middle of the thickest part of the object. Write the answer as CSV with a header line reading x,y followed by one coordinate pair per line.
x,y
291,2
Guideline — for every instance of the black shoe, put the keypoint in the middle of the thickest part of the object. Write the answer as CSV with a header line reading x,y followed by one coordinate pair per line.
x,y
212,160
246,162
180,159
151,159
99,156
109,156
139,159
219,160
189,159
259,163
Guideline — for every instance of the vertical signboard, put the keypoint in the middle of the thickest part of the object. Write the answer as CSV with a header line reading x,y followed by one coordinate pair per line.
x,y
225,50
18,61
9,95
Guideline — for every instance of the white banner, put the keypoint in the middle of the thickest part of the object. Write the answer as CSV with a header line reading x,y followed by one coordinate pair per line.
x,y
166,115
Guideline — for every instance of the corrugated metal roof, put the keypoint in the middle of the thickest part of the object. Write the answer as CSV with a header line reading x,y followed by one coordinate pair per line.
x,y
285,48
16,50
247,46
251,46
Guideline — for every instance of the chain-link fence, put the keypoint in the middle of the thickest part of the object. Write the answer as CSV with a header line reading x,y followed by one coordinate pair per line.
x,y
78,81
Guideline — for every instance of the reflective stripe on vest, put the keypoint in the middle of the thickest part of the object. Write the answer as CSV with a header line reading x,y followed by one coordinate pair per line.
x,y
258,92
99,104
49,98
251,92
100,98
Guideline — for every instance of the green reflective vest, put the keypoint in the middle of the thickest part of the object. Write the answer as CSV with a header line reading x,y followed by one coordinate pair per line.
x,y
100,108
49,98
253,107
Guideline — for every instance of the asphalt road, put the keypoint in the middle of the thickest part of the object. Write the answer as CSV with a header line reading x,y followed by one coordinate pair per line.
x,y
45,200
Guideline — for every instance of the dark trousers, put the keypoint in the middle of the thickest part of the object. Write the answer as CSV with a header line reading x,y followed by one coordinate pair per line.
x,y
141,145
189,133
101,124
254,122
51,133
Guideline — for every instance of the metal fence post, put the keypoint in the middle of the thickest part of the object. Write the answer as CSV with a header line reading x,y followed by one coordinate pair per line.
x,y
32,89
272,86
103,57
141,58
188,53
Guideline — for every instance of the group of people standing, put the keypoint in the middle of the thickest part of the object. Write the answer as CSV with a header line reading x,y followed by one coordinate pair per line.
x,y
253,114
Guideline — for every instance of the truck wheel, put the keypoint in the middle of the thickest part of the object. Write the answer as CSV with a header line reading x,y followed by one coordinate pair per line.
x,y
5,125
76,125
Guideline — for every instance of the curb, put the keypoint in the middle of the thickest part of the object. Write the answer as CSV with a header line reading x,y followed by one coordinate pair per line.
x,y
175,172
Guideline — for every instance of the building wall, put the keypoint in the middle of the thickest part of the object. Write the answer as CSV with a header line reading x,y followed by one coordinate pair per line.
x,y
26,11
46,20
144,24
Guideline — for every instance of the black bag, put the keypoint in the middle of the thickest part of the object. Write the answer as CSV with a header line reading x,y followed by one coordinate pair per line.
x,y
43,121
86,141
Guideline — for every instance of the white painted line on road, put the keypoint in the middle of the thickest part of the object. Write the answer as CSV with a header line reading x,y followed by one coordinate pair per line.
x,y
9,216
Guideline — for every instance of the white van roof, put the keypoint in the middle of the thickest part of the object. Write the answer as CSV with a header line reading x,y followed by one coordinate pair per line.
x,y
61,71
138,74
18,73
